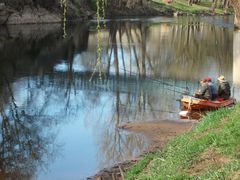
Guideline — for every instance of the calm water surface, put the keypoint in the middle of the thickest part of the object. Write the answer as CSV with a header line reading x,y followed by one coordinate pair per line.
x,y
60,106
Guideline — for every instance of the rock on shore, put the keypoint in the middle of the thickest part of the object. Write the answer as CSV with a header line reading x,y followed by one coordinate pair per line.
x,y
27,15
35,14
30,16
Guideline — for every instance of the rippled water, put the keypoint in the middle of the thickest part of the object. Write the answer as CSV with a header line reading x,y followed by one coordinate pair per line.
x,y
60,108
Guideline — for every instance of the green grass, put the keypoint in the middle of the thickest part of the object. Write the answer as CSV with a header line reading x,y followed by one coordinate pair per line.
x,y
182,6
210,151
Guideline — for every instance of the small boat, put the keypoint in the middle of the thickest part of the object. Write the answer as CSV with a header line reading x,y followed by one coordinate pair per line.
x,y
192,103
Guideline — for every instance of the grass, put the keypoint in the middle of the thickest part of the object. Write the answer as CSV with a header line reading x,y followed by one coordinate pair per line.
x,y
183,7
180,6
210,151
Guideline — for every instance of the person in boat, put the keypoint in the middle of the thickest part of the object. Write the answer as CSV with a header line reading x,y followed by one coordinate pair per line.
x,y
213,88
205,91
224,89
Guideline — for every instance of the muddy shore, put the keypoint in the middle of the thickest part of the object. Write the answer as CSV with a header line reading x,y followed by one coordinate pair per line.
x,y
157,132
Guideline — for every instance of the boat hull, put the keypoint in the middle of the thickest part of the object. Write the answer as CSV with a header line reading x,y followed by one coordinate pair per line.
x,y
191,103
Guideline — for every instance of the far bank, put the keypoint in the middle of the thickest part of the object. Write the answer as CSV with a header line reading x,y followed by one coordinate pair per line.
x,y
37,12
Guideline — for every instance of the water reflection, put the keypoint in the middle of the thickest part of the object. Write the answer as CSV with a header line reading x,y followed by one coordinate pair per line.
x,y
24,144
168,50
47,98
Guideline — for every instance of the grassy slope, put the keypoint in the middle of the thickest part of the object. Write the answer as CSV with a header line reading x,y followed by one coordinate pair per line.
x,y
182,6
210,151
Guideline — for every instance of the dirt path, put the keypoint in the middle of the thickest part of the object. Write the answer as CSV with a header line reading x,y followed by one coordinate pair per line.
x,y
158,133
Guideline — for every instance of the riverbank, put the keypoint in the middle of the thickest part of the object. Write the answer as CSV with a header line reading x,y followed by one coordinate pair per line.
x,y
181,7
158,132
210,151
175,8
31,13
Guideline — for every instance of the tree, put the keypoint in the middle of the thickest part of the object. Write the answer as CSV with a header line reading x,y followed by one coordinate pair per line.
x,y
214,5
130,4
236,7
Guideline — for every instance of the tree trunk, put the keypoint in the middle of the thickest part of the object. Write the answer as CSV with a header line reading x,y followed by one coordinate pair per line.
x,y
190,2
236,7
226,5
214,5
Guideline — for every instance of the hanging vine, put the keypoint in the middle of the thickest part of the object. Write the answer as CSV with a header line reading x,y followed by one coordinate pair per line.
x,y
100,15
63,4
100,4
103,13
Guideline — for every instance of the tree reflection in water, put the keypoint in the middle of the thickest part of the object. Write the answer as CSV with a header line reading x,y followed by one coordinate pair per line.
x,y
24,142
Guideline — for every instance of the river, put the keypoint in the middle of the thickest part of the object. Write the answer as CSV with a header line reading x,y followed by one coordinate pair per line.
x,y
60,106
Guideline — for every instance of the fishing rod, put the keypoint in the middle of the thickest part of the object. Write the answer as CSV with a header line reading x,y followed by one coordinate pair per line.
x,y
183,90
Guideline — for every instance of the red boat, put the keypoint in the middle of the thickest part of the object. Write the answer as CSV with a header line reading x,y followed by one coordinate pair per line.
x,y
192,103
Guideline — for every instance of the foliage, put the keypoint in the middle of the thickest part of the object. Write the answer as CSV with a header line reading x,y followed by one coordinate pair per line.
x,y
93,5
210,151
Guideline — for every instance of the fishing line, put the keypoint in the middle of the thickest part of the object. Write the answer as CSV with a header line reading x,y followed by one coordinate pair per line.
x,y
181,91
146,109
